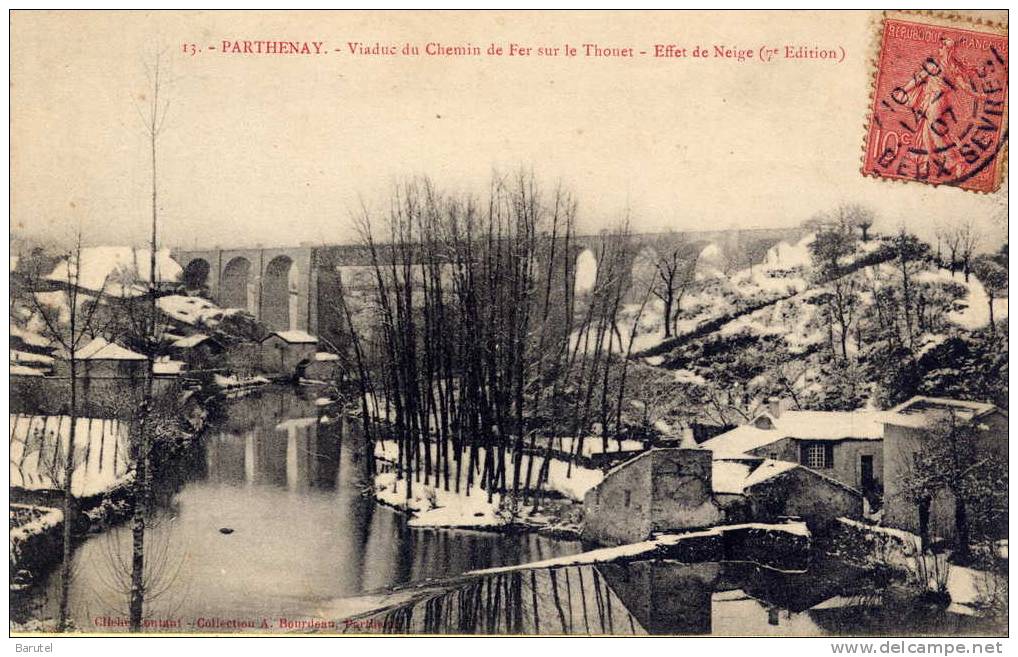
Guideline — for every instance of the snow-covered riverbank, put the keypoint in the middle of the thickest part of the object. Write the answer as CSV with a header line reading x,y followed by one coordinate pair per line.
x,y
430,505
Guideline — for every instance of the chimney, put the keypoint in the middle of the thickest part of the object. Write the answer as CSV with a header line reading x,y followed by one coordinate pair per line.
x,y
774,407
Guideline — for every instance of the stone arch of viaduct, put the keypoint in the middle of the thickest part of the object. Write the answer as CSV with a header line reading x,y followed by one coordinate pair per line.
x,y
290,287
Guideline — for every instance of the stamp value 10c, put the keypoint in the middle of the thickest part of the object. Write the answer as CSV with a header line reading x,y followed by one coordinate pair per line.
x,y
939,113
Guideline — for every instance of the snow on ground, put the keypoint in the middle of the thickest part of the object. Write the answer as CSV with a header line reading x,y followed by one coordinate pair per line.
x,y
714,294
192,310
572,484
966,586
37,461
234,381
793,319
119,271
42,519
973,311
688,376
591,445
784,255
435,507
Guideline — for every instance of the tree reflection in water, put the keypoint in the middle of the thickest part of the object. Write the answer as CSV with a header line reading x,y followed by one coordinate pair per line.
x,y
666,598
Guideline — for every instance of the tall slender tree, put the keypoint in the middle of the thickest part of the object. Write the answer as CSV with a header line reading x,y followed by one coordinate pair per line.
x,y
153,119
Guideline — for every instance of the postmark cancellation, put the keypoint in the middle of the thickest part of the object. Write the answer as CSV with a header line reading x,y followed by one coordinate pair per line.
x,y
938,112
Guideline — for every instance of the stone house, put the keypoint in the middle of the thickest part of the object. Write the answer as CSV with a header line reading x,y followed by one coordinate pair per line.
x,y
283,351
659,490
101,359
756,489
845,446
197,350
905,427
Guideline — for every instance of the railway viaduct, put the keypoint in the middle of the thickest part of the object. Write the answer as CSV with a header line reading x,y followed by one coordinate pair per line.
x,y
291,287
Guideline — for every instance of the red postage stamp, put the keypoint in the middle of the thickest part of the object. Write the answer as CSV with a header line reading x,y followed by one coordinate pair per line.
x,y
939,112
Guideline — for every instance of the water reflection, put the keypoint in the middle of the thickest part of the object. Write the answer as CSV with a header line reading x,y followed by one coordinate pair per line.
x,y
666,598
270,519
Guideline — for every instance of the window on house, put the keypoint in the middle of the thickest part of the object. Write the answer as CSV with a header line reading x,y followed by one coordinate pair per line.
x,y
627,497
772,456
817,455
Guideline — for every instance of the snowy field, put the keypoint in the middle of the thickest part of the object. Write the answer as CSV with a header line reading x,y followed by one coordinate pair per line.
x,y
38,445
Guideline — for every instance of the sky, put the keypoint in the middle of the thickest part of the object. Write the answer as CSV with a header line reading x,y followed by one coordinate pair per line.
x,y
285,149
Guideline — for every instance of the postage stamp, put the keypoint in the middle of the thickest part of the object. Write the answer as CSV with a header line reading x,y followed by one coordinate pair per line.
x,y
939,112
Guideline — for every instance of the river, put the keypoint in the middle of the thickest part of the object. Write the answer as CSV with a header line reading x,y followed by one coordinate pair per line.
x,y
268,518
269,523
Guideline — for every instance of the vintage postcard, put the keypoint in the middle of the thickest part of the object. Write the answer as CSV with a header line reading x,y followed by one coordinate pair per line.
x,y
509,323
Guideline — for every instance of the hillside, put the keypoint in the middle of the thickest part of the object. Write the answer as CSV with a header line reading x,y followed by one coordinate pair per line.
x,y
879,330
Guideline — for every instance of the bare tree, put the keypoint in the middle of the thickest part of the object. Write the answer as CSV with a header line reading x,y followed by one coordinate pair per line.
x,y
860,216
967,237
995,281
81,317
153,119
674,272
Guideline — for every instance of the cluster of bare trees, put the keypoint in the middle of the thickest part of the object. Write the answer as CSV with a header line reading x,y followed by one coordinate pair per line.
x,y
478,345
888,301
669,275
956,246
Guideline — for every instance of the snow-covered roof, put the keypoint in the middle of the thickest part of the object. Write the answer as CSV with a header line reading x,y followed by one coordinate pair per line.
x,y
801,425
740,440
830,425
326,356
102,349
118,270
29,357
294,337
921,411
190,341
735,476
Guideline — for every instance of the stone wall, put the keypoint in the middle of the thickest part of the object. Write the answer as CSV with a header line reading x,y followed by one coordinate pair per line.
x,y
803,493
682,490
660,490
618,510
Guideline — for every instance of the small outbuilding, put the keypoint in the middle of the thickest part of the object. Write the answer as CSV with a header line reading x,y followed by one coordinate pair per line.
x,y
283,351
102,359
764,490
658,491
